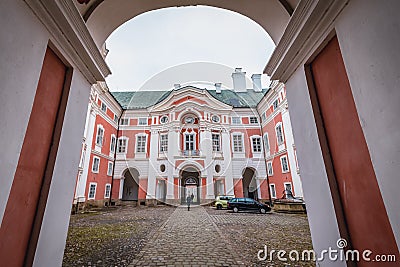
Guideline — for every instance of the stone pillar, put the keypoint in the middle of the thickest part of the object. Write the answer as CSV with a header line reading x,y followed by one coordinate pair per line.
x,y
226,150
88,133
173,150
206,151
153,155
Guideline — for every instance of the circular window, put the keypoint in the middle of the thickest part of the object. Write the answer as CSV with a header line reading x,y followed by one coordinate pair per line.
x,y
164,119
162,167
189,120
217,168
215,118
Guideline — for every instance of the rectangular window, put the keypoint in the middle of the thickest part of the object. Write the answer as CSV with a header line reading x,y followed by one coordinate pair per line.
x,y
113,143
107,191
284,164
275,104
216,143
92,191
237,143
122,145
288,187
110,168
142,121
256,144
270,169
99,136
253,120
164,143
272,190
263,117
141,144
266,142
115,118
236,120
279,134
124,121
189,142
103,107
96,164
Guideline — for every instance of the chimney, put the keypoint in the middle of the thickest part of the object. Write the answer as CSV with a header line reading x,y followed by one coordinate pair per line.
x,y
177,86
256,78
239,80
218,88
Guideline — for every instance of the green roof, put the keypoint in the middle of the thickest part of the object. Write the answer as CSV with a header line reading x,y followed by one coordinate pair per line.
x,y
145,99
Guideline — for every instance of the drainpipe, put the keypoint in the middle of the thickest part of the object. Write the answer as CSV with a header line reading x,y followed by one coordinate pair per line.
x,y
265,159
115,158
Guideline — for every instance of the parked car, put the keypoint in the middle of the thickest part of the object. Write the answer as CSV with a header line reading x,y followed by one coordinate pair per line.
x,y
237,204
222,202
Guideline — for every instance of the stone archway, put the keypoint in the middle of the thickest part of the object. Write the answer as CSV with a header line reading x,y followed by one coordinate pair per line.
x,y
190,185
249,183
131,185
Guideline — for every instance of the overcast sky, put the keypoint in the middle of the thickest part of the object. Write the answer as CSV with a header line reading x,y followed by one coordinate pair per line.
x,y
185,45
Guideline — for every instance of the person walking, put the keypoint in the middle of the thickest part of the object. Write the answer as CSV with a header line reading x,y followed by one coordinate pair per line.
x,y
188,200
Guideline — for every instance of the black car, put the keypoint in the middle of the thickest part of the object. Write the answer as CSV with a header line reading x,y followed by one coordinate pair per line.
x,y
236,204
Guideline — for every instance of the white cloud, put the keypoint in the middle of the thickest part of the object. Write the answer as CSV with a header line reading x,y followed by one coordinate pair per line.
x,y
160,39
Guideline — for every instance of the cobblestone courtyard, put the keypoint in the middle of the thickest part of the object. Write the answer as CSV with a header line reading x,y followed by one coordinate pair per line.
x,y
166,236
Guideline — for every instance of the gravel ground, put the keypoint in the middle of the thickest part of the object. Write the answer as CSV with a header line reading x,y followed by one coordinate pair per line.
x,y
111,237
249,232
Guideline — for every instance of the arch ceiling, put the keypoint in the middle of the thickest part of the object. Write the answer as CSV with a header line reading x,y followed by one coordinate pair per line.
x,y
104,16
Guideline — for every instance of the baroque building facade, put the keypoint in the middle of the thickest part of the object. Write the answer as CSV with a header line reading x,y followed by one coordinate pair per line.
x,y
162,146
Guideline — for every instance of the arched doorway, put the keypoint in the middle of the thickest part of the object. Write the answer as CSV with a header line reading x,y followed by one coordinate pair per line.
x,y
131,185
249,183
190,185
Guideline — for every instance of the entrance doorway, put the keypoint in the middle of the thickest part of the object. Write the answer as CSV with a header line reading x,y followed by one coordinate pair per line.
x,y
161,192
249,184
131,185
190,186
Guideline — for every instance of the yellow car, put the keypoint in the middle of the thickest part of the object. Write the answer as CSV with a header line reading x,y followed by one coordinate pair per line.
x,y
222,202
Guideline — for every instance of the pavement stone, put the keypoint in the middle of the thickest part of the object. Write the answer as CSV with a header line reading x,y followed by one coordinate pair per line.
x,y
187,238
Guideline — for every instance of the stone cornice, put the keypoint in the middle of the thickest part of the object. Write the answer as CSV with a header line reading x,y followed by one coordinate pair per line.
x,y
310,22
71,36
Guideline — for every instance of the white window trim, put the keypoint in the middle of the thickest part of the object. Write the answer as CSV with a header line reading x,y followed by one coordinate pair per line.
x,y
287,163
108,168
95,189
143,118
272,168
219,142
97,134
266,144
126,147
252,147
145,145
270,190
98,167
101,107
105,191
115,144
127,120
194,139
258,120
233,145
240,120
160,147
276,132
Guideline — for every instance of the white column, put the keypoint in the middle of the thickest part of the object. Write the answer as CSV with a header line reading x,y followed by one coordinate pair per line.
x,y
173,149
206,150
226,150
287,128
151,178
88,132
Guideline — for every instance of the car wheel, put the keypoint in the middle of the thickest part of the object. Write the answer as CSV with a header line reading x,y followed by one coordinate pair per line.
x,y
262,210
235,209
219,206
